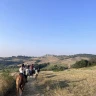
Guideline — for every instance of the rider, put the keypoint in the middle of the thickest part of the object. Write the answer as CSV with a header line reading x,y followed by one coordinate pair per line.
x,y
27,71
31,69
22,72
22,69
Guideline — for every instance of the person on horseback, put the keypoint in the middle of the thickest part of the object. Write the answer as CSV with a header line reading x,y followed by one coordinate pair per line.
x,y
27,71
22,69
31,69
20,80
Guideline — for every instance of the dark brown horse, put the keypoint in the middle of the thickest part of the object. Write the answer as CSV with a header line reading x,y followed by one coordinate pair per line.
x,y
20,82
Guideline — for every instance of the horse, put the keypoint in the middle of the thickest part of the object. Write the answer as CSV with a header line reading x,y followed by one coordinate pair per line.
x,y
38,70
20,83
36,74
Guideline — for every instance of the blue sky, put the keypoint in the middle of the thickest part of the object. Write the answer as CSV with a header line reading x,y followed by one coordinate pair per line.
x,y
39,27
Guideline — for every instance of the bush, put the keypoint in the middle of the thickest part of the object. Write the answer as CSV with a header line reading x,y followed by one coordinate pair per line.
x,y
37,61
82,63
57,68
93,61
43,65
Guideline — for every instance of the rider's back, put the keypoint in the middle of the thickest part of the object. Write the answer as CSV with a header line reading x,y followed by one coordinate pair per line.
x,y
21,70
27,71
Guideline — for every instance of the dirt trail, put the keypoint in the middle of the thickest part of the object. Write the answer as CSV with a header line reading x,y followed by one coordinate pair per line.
x,y
30,89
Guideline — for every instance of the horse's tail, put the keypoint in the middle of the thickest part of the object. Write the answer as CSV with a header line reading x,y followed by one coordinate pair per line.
x,y
18,81
17,86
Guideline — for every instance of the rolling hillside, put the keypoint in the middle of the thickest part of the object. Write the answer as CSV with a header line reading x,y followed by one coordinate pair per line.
x,y
55,60
52,59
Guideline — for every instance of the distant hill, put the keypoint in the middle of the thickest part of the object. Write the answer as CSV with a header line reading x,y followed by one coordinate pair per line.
x,y
52,59
60,59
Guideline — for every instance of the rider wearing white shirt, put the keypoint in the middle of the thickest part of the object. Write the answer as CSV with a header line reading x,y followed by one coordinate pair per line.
x,y
22,69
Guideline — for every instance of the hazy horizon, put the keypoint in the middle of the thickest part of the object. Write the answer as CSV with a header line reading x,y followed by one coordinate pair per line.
x,y
39,27
47,54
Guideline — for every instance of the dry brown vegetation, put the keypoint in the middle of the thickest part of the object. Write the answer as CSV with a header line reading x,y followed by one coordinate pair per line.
x,y
6,83
73,82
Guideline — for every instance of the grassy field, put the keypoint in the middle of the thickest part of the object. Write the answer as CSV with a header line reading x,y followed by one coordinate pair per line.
x,y
71,82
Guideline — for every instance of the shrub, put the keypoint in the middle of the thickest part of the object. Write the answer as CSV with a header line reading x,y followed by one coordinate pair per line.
x,y
93,61
81,64
57,68
43,65
37,61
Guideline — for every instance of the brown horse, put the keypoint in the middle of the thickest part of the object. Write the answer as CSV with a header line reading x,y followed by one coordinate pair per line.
x,y
20,82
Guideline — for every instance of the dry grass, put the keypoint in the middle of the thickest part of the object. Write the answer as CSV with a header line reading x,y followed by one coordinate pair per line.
x,y
6,83
73,82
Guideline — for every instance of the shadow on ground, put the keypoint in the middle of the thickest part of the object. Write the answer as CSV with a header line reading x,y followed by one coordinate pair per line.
x,y
51,76
51,85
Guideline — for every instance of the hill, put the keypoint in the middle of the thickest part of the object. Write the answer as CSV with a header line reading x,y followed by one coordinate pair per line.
x,y
52,59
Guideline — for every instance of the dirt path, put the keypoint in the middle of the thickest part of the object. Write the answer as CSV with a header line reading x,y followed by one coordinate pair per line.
x,y
30,89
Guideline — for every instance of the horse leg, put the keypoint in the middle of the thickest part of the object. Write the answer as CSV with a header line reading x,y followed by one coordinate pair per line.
x,y
36,77
17,89
22,87
20,92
